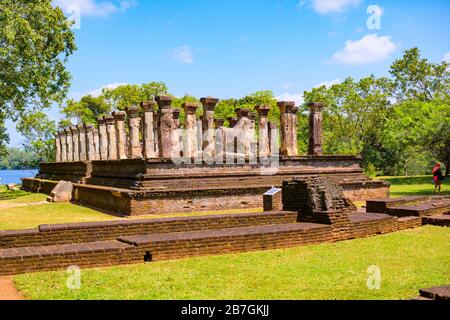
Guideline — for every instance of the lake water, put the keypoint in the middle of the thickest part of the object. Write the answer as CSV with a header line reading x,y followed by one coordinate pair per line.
x,y
13,176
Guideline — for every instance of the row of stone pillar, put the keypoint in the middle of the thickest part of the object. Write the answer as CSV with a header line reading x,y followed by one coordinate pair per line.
x,y
156,124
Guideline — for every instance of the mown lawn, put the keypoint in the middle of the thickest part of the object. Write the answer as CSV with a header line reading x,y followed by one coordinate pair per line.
x,y
417,185
408,260
23,210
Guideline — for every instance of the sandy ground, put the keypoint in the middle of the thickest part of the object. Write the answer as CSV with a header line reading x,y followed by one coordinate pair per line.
x,y
14,205
8,291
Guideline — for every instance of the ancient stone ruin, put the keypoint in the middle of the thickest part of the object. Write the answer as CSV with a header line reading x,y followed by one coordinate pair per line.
x,y
144,161
315,210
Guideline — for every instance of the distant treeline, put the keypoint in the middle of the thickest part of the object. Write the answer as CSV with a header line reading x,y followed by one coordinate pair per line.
x,y
18,159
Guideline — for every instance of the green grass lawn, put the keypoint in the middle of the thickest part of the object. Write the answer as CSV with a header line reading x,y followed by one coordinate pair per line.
x,y
408,260
418,185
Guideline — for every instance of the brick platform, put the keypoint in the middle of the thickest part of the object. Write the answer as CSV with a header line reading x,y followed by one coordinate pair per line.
x,y
411,206
435,293
137,187
55,247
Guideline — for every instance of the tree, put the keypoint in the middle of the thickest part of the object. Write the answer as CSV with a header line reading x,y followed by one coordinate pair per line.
x,y
132,94
39,132
87,110
421,127
354,114
416,78
35,43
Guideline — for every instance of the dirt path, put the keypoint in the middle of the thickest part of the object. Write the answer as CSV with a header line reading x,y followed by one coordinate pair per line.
x,y
15,205
8,291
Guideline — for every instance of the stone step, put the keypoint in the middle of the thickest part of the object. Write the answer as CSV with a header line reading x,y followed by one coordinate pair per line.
x,y
140,248
442,221
436,293
110,230
54,257
185,244
421,209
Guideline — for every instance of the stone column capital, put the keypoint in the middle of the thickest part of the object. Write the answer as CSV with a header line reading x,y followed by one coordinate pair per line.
x,y
109,119
148,106
243,113
119,115
219,122
190,107
286,106
316,106
176,113
88,127
74,129
232,121
133,112
263,110
101,120
164,102
209,103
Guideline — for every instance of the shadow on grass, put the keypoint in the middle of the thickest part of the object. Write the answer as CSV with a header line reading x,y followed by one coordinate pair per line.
x,y
418,185
11,194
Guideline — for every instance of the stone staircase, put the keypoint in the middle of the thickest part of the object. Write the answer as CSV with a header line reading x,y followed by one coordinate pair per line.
x,y
53,247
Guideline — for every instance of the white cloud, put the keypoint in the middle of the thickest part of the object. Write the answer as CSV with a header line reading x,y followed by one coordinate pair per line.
x,y
297,97
369,49
328,84
98,92
447,57
183,55
94,7
330,6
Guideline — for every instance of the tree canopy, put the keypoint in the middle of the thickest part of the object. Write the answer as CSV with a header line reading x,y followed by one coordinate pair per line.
x,y
35,43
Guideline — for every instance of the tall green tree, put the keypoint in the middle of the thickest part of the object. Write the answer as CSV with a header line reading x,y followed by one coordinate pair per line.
x,y
132,94
354,113
417,78
420,128
35,42
39,133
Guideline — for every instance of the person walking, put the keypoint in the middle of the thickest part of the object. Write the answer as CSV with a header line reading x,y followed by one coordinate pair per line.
x,y
438,177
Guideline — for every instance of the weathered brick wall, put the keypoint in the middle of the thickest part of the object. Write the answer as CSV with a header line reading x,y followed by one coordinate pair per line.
x,y
98,231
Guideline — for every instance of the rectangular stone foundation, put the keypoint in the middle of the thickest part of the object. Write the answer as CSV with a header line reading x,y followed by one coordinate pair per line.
x,y
139,187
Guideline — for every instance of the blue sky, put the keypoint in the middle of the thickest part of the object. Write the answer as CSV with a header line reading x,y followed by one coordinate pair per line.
x,y
230,48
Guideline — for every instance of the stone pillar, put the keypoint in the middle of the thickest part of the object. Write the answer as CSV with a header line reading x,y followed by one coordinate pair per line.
x,y
242,131
103,138
165,126
315,129
220,137
63,140
134,122
96,144
176,117
288,128
176,135
190,145
76,144
274,139
57,147
90,143
69,142
148,130
264,145
112,138
121,135
209,104
82,142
